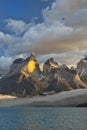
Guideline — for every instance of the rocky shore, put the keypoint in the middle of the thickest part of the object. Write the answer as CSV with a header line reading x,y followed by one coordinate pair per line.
x,y
64,99
6,97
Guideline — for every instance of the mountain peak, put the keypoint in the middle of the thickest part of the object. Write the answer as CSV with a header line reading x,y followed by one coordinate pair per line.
x,y
25,77
85,58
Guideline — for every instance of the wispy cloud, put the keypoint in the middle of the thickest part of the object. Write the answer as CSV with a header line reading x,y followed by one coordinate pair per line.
x,y
5,63
16,26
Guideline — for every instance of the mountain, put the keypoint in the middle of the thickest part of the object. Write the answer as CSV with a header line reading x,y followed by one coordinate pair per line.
x,y
2,75
14,84
16,66
82,69
56,83
10,86
25,78
71,76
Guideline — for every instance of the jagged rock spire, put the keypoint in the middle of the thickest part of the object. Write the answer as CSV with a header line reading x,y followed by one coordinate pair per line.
x,y
33,56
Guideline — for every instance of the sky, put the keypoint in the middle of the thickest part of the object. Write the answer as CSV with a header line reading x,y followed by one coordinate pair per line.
x,y
50,28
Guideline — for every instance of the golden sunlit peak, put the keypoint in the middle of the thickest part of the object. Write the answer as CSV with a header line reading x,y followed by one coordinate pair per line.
x,y
31,66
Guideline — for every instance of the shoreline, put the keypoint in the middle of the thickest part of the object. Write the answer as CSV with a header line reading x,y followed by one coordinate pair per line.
x,y
3,97
63,99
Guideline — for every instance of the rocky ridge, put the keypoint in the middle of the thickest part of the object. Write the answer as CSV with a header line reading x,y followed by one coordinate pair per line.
x,y
53,79
82,69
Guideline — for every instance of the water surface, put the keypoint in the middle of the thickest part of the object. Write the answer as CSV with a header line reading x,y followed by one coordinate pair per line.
x,y
44,118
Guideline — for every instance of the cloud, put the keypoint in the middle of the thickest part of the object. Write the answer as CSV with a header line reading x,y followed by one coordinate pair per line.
x,y
6,38
74,12
56,38
85,53
5,63
51,32
16,26
68,58
63,33
46,0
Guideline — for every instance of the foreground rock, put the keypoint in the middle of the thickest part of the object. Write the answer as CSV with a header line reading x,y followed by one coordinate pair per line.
x,y
64,99
2,97
27,87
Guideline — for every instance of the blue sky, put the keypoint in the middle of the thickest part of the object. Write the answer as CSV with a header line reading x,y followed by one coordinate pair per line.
x,y
26,10
51,28
22,9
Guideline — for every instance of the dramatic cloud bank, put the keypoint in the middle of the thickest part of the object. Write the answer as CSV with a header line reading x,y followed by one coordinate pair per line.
x,y
62,34
16,26
5,63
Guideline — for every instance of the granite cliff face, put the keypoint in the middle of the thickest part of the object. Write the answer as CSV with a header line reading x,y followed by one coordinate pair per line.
x,y
54,78
16,66
13,84
82,69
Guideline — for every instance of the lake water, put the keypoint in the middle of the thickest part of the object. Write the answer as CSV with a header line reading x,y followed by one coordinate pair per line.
x,y
44,118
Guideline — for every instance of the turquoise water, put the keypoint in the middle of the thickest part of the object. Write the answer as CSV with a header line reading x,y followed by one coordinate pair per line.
x,y
28,118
